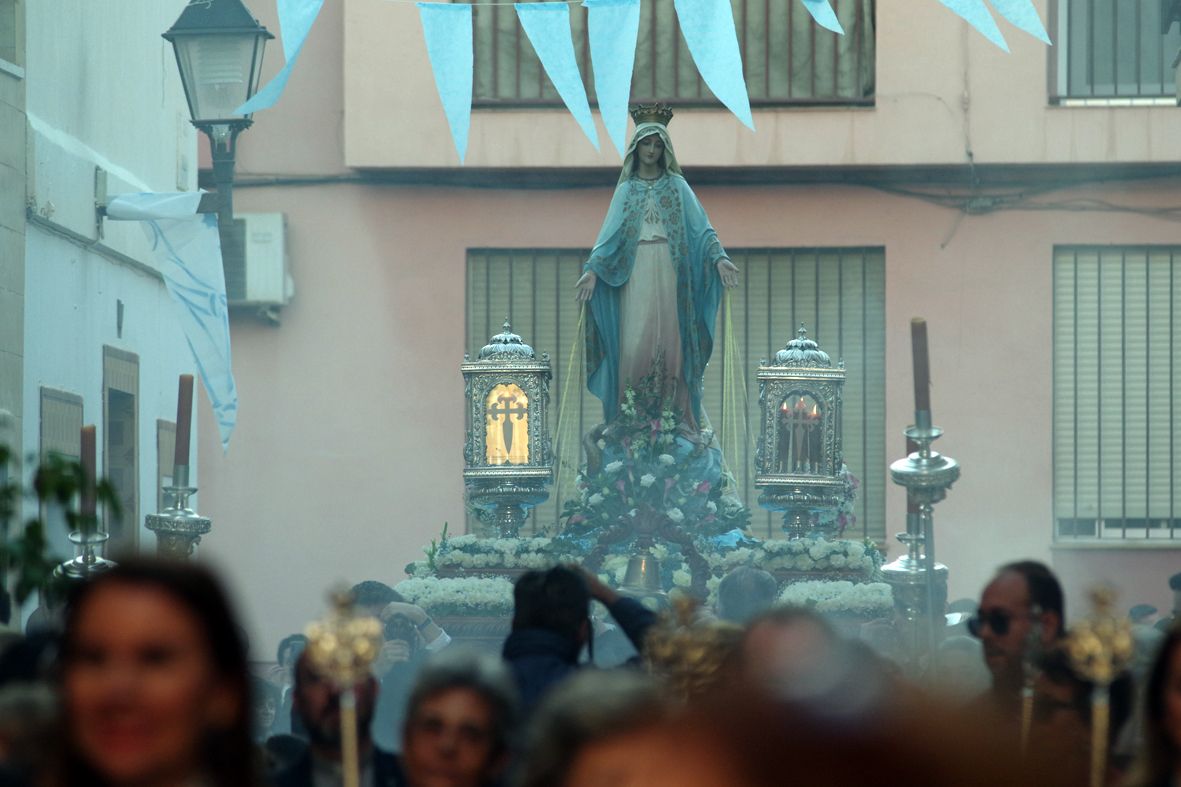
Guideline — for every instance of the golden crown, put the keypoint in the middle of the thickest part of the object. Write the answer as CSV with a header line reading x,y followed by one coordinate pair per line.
x,y
652,113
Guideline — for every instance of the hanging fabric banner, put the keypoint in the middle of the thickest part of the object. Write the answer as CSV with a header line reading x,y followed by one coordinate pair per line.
x,y
975,13
822,12
295,23
708,27
614,26
548,27
447,28
1022,15
188,253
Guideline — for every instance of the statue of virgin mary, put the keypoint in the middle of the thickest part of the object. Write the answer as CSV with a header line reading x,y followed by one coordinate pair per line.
x,y
654,279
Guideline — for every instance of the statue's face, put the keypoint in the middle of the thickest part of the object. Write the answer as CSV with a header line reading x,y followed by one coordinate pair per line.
x,y
651,150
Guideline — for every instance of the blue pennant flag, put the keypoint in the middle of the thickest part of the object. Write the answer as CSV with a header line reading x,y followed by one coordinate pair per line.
x,y
1022,15
447,28
295,22
708,27
822,12
188,255
614,26
548,27
975,13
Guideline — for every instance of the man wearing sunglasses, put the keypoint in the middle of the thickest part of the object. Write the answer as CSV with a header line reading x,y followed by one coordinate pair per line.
x,y
1021,611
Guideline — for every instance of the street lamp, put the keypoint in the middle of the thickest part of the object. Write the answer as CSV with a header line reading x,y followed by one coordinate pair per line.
x,y
219,48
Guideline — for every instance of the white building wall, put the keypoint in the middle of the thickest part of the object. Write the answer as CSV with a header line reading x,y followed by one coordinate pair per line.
x,y
70,315
104,101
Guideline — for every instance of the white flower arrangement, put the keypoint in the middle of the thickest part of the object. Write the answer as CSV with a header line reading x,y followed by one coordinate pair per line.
x,y
675,516
484,596
665,459
614,467
471,552
804,555
647,480
868,599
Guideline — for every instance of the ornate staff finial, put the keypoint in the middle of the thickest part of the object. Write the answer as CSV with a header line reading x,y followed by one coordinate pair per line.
x,y
341,647
1099,649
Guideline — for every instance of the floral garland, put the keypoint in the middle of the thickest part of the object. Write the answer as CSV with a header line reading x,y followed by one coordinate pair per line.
x,y
814,554
865,599
469,596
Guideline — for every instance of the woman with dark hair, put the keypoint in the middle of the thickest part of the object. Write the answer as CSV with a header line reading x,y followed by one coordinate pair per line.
x,y
154,682
1160,761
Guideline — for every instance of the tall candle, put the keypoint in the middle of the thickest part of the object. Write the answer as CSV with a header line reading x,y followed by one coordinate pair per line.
x,y
184,419
922,367
89,459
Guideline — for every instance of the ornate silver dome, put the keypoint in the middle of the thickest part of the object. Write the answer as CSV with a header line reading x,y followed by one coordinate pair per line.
x,y
506,345
802,351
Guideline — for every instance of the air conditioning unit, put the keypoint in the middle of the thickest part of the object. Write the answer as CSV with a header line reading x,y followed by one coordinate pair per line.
x,y
257,273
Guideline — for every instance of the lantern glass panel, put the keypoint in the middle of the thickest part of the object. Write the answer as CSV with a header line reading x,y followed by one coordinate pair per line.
x,y
506,425
800,435
220,71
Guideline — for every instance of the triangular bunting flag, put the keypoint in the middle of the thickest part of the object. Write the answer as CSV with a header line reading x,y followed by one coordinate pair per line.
x,y
548,27
975,13
708,27
296,18
614,26
1022,15
822,12
447,28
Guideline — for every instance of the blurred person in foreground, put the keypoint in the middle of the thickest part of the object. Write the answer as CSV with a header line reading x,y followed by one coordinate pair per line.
x,y
692,657
1061,726
744,593
316,702
154,683
461,722
1021,616
1159,762
597,728
551,625
282,675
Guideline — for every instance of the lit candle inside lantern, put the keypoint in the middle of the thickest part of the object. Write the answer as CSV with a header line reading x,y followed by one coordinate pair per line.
x,y
184,420
922,367
89,459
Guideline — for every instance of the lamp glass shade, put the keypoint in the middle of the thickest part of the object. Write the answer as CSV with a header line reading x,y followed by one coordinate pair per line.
x,y
220,72
507,426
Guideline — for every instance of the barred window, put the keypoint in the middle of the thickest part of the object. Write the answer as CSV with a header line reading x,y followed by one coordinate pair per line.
x,y
1117,393
787,58
839,293
1115,49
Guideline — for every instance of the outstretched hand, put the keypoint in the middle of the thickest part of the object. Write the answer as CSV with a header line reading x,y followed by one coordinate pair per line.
x,y
586,287
729,273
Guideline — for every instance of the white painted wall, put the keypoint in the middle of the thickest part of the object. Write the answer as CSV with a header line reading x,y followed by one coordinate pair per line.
x,y
102,92
70,314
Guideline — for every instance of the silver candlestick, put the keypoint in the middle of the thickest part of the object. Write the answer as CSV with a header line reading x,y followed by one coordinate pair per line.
x,y
178,528
920,583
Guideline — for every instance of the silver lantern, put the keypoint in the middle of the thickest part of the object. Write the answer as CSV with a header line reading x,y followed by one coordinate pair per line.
x,y
508,456
799,461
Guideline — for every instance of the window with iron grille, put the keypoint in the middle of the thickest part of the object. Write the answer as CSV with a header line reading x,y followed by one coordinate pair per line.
x,y
838,293
787,58
1115,49
1117,393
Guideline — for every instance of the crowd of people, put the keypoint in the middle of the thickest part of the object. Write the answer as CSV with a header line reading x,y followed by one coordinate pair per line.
x,y
147,684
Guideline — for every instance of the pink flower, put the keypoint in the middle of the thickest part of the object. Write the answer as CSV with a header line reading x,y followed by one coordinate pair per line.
x,y
577,519
668,484
704,487
619,485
